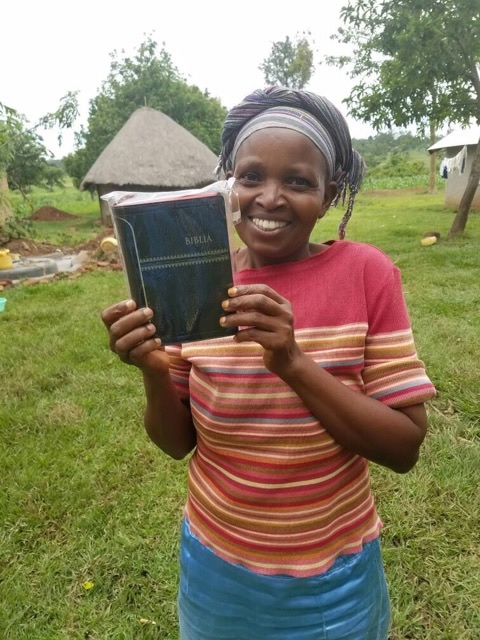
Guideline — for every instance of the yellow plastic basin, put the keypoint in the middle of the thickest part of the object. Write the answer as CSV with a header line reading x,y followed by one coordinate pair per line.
x,y
6,261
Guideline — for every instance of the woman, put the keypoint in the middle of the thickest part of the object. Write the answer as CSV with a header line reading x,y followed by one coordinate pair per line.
x,y
280,537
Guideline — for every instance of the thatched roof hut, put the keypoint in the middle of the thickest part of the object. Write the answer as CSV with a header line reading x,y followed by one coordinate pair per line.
x,y
151,152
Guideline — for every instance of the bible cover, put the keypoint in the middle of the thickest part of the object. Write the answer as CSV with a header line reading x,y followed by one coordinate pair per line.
x,y
177,258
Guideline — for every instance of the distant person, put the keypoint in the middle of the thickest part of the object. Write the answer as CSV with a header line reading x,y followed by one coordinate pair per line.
x,y
280,536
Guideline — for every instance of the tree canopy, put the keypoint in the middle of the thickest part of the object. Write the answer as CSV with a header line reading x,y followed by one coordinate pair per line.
x,y
415,62
29,165
23,156
289,64
389,154
147,78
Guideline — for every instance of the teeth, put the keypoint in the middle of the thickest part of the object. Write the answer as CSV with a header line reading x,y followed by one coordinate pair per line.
x,y
268,225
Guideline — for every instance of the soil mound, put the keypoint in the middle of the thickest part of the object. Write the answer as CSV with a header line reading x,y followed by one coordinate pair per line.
x,y
51,214
27,247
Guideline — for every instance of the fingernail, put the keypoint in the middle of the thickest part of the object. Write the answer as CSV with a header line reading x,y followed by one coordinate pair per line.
x,y
223,320
147,313
225,304
232,291
130,304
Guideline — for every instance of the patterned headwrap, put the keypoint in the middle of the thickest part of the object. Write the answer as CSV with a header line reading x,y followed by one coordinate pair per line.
x,y
314,116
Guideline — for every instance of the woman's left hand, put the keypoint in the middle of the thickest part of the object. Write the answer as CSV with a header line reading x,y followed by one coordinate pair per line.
x,y
262,315
359,423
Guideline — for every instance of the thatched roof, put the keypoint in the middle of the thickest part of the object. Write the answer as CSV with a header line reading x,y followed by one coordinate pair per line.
x,y
152,151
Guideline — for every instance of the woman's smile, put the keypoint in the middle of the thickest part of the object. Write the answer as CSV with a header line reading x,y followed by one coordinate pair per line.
x,y
281,182
268,225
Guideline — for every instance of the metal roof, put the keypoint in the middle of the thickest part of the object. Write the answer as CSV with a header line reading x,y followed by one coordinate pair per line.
x,y
458,138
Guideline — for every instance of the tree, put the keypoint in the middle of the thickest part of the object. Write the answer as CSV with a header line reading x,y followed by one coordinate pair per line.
x,y
289,64
9,127
149,78
391,153
415,62
28,164
22,155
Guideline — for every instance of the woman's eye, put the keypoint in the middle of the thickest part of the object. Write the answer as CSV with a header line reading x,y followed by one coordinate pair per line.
x,y
299,183
249,177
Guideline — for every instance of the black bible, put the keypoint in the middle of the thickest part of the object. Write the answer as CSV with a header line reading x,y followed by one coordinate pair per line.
x,y
176,253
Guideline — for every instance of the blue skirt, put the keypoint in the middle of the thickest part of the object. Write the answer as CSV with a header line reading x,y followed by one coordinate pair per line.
x,y
222,601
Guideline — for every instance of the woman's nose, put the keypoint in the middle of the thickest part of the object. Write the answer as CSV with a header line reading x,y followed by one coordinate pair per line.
x,y
270,195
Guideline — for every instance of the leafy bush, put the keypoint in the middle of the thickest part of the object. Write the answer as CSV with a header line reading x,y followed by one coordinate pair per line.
x,y
18,226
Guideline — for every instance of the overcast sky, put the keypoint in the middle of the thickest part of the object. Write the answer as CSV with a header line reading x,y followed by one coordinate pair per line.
x,y
50,47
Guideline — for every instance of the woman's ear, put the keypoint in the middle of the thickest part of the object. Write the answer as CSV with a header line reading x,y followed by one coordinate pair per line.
x,y
331,190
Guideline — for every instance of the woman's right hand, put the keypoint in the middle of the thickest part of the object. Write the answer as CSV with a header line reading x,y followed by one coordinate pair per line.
x,y
132,337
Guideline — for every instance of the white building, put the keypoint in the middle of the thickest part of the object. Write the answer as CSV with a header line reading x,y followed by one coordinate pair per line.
x,y
459,150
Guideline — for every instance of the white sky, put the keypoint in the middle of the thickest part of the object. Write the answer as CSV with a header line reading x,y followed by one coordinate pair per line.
x,y
50,47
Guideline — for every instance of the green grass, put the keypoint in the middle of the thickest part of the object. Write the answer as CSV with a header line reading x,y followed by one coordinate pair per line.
x,y
86,496
85,226
401,182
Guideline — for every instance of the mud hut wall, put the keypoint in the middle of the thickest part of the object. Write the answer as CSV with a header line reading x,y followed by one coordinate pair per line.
x,y
456,182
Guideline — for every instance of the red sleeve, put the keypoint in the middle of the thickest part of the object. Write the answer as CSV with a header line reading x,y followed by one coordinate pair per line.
x,y
393,373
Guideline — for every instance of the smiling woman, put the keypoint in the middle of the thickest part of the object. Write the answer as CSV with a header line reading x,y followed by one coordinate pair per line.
x,y
280,535
316,119
283,188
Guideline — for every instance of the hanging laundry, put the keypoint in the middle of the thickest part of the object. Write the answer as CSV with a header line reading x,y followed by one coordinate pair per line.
x,y
457,163
444,168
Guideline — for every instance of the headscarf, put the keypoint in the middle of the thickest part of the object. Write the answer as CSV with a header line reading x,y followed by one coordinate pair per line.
x,y
304,111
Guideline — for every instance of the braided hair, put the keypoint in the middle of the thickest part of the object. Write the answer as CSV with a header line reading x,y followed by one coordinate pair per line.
x,y
349,167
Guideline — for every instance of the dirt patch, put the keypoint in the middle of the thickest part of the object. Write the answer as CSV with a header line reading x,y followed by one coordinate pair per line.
x,y
30,248
94,245
51,214
92,256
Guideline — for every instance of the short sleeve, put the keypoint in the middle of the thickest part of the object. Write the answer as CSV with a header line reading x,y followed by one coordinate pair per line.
x,y
179,370
393,373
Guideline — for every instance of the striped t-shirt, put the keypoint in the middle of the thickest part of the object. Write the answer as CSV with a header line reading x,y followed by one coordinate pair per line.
x,y
268,486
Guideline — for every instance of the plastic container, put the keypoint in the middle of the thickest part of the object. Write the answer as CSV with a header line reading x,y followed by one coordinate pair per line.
x,y
6,261
3,302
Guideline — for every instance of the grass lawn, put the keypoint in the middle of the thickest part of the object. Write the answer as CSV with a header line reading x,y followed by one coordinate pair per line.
x,y
90,509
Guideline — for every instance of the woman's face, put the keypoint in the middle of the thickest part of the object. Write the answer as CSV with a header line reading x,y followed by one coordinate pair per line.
x,y
281,181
